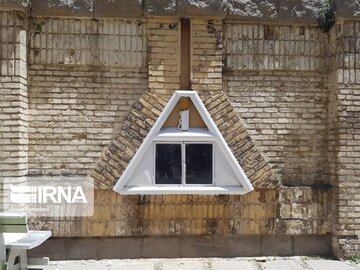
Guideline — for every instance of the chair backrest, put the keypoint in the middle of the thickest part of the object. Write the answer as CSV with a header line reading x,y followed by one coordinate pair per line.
x,y
13,223
10,223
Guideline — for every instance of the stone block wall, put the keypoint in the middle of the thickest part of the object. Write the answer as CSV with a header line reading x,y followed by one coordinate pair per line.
x,y
68,84
164,55
84,76
303,211
276,78
75,112
274,47
344,131
206,56
71,121
13,99
110,42
286,114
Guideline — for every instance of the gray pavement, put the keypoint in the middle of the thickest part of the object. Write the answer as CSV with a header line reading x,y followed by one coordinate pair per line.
x,y
261,263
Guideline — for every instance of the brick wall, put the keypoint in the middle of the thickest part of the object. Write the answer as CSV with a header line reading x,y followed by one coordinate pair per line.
x,y
164,55
13,100
74,113
274,47
206,58
344,130
286,113
274,76
84,76
66,147
304,212
110,42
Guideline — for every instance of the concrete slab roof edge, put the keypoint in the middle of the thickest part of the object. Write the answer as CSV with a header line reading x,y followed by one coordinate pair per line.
x,y
289,11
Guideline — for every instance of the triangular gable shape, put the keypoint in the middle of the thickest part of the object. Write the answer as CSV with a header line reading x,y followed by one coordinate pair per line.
x,y
117,155
138,176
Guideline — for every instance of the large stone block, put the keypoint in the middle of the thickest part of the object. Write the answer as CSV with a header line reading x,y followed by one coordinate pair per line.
x,y
162,7
54,248
81,250
277,245
15,4
123,8
161,247
201,7
220,246
306,11
252,9
312,245
62,8
289,11
113,248
185,8
347,8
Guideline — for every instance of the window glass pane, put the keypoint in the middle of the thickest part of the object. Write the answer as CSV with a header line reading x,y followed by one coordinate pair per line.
x,y
199,163
168,164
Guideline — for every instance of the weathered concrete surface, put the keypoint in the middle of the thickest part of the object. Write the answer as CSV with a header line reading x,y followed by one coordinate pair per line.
x,y
252,8
185,8
76,8
330,265
299,10
15,4
268,263
302,11
111,8
179,247
288,11
305,10
347,8
160,7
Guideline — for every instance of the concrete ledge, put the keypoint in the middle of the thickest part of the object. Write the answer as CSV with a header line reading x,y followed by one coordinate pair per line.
x,y
347,9
111,8
284,11
288,11
76,8
175,247
22,5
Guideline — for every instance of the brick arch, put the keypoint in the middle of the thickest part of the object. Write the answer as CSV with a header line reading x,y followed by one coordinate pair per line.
x,y
118,154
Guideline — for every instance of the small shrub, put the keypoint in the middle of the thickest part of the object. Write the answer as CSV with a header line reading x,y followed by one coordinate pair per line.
x,y
355,259
326,15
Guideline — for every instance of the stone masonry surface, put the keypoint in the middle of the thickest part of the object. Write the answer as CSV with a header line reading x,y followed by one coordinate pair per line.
x,y
260,263
344,131
81,85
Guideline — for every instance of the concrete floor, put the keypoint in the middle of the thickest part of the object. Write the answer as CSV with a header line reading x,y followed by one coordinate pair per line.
x,y
260,263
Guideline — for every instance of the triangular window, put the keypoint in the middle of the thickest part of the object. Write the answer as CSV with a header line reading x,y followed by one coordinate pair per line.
x,y
184,153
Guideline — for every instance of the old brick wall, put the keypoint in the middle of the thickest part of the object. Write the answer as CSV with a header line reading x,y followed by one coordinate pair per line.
x,y
68,83
206,56
13,99
344,132
276,78
84,76
304,212
164,55
79,99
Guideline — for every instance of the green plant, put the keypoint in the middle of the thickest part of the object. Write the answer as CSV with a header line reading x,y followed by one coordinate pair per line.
x,y
37,27
326,15
355,259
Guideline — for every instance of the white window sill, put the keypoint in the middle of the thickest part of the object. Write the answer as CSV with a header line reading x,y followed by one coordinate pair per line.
x,y
193,134
182,190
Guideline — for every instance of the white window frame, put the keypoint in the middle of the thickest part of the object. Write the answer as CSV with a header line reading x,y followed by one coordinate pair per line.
x,y
183,164
240,185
